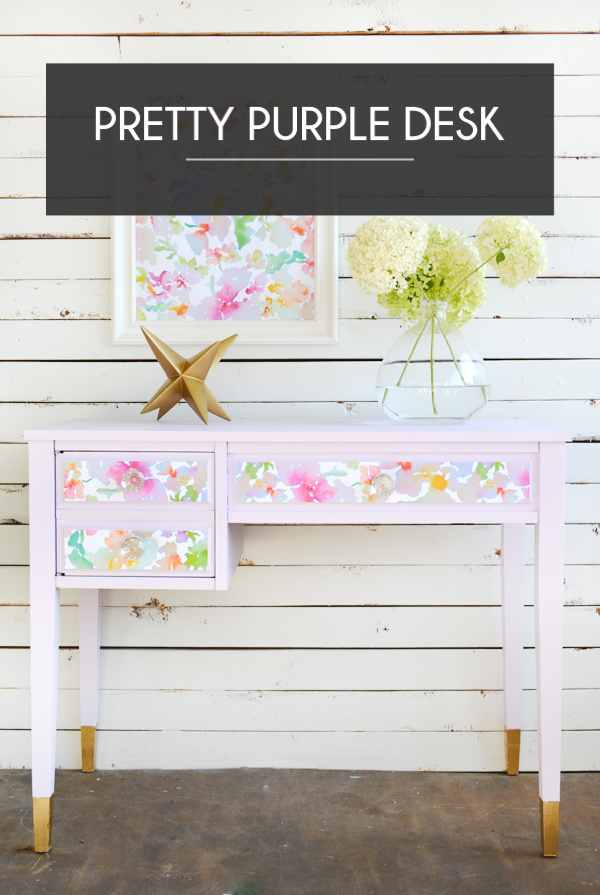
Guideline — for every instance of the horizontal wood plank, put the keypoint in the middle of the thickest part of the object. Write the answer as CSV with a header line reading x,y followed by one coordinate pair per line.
x,y
321,711
478,751
112,381
306,669
40,299
502,338
90,299
27,57
363,627
303,584
116,16
571,54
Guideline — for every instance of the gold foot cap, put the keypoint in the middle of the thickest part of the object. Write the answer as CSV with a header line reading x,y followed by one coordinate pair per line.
x,y
42,824
549,828
512,739
88,749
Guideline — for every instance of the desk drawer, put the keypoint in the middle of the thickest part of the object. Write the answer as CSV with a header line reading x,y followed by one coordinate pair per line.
x,y
298,480
90,477
115,551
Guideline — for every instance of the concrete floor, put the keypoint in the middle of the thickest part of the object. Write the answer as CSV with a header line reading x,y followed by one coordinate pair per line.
x,y
298,832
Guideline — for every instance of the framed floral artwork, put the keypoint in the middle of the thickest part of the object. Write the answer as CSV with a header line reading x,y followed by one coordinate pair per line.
x,y
192,279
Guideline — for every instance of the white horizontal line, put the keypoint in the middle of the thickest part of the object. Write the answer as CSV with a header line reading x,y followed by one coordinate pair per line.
x,y
299,159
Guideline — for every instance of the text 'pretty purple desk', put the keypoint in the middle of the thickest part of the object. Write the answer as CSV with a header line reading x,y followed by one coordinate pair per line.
x,y
163,505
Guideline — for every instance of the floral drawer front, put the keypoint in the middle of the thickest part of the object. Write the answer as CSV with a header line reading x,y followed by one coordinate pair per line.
x,y
120,550
373,481
135,480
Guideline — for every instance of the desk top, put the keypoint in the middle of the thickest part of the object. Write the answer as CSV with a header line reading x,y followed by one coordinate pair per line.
x,y
297,431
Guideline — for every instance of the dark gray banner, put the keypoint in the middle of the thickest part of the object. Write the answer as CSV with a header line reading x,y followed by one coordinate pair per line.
x,y
300,139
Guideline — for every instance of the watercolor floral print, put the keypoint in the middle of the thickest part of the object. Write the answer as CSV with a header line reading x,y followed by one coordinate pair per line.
x,y
200,268
328,481
134,480
141,551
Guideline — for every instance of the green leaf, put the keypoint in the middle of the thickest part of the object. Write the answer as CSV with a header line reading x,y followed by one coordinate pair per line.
x,y
74,539
500,257
191,493
276,262
80,561
242,231
197,557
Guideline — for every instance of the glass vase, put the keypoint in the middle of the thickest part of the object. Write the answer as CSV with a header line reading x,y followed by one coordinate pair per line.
x,y
432,373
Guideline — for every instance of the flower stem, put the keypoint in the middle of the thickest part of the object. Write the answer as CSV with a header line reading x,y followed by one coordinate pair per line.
x,y
483,263
433,319
412,351
451,352
408,360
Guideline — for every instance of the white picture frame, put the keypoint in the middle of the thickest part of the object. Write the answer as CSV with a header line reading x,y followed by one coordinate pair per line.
x,y
126,329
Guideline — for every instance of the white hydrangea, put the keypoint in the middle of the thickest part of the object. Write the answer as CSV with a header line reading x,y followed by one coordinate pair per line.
x,y
385,250
514,248
451,271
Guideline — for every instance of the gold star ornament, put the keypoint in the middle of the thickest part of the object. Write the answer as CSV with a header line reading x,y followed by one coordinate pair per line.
x,y
186,378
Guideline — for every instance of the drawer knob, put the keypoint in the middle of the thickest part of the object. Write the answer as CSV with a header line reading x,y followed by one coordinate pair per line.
x,y
132,549
132,480
383,484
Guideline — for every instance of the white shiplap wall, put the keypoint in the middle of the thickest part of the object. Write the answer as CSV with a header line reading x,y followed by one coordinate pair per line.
x,y
357,647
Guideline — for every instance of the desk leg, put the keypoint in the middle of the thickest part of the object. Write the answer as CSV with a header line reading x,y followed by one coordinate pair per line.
x,y
45,604
549,571
89,673
513,604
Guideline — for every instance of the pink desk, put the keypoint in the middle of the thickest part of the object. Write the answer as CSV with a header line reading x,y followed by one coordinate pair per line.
x,y
160,505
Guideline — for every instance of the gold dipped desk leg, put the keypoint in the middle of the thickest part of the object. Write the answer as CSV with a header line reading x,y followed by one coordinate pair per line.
x,y
512,739
549,812
88,749
42,823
